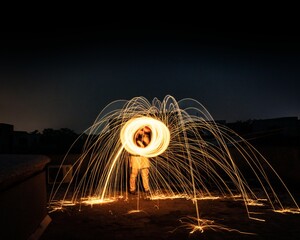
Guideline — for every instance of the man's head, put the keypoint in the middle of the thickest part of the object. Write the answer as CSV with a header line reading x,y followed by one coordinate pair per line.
x,y
147,129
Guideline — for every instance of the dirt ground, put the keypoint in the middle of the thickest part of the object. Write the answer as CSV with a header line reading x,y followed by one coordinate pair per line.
x,y
166,219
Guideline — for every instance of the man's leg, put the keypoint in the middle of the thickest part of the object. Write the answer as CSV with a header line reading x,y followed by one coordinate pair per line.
x,y
145,178
132,180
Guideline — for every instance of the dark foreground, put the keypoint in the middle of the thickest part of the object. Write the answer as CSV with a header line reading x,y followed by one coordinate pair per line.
x,y
162,220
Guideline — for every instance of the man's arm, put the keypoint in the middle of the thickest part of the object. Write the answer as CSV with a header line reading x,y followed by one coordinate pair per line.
x,y
140,143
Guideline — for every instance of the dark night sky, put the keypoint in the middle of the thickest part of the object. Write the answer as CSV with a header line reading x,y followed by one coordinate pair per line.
x,y
64,77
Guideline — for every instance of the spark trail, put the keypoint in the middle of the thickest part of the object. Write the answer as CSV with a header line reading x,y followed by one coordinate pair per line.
x,y
190,154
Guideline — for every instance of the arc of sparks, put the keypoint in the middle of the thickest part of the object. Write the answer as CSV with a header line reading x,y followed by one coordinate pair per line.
x,y
193,156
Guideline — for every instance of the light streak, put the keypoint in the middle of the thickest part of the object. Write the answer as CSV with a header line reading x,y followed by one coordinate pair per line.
x,y
288,210
160,136
134,211
191,156
200,225
94,200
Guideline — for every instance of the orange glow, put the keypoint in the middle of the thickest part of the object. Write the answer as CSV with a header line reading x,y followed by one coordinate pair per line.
x,y
160,136
95,200
200,225
191,157
288,210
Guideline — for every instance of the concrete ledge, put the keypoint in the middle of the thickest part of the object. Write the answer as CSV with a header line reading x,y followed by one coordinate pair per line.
x,y
23,196
40,230
15,168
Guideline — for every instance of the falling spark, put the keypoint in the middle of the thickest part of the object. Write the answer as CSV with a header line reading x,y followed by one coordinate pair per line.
x,y
200,225
134,211
288,210
94,200
191,156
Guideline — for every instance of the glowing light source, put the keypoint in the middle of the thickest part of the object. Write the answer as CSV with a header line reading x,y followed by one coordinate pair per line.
x,y
160,136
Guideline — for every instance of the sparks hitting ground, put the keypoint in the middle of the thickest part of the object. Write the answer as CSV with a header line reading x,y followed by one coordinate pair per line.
x,y
191,156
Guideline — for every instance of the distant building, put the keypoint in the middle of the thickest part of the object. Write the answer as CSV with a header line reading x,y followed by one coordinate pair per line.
x,y
17,141
22,141
6,138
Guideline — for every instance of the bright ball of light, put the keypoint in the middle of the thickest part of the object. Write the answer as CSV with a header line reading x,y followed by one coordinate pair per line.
x,y
160,136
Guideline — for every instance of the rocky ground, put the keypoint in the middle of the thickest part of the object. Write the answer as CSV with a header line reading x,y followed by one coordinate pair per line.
x,y
168,219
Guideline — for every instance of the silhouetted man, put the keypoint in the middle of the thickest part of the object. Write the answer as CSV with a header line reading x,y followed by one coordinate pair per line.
x,y
140,163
